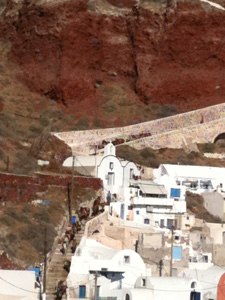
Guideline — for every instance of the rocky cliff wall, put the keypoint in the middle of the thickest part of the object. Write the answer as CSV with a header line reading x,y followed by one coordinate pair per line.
x,y
90,53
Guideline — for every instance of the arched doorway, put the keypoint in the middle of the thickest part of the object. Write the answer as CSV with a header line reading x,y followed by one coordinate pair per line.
x,y
220,137
127,297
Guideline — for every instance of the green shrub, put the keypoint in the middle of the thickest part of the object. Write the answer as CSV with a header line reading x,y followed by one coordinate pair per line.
x,y
222,144
193,155
183,160
29,232
26,208
44,121
3,3
208,148
110,107
82,124
38,240
11,238
42,213
13,213
7,220
2,154
35,129
69,118
147,153
25,164
166,111
152,162
97,124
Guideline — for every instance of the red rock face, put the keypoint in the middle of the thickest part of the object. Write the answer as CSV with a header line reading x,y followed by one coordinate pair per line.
x,y
175,57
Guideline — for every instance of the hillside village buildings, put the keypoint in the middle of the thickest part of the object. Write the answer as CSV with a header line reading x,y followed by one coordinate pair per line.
x,y
157,204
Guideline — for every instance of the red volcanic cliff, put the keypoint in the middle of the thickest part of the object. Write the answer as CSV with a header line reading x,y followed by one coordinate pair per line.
x,y
86,55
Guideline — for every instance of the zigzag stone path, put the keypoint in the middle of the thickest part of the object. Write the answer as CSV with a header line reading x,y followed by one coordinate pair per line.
x,y
201,126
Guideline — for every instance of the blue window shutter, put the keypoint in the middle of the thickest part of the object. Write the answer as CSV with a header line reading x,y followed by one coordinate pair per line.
x,y
175,193
177,252
82,291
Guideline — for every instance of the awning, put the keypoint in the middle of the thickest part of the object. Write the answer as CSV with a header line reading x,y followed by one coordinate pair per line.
x,y
153,189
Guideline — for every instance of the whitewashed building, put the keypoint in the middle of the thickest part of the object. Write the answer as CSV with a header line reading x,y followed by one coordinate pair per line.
x,y
158,288
178,179
212,281
18,285
131,199
115,270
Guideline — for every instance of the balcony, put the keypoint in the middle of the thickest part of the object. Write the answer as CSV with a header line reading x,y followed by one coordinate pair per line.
x,y
153,201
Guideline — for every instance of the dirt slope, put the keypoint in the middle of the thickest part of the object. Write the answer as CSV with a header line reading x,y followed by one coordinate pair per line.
x,y
78,56
102,63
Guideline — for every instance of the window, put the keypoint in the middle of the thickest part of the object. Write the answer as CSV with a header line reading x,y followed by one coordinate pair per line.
x,y
127,259
206,258
177,252
111,165
146,221
111,178
170,223
177,238
193,285
82,291
137,212
206,184
131,173
202,238
175,193
143,282
162,223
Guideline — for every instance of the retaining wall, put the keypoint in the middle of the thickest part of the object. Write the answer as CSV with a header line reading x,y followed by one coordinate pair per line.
x,y
83,141
18,189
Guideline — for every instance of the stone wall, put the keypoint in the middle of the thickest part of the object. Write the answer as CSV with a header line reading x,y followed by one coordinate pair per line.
x,y
18,189
192,125
154,247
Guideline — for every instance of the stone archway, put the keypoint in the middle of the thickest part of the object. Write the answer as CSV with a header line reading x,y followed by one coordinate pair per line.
x,y
220,136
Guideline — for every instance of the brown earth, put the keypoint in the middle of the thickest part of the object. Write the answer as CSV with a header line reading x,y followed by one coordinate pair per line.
x,y
195,206
94,64
82,58
153,158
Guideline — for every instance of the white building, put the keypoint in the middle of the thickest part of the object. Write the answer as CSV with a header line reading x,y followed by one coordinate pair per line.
x,y
115,269
169,288
212,281
132,199
18,285
178,179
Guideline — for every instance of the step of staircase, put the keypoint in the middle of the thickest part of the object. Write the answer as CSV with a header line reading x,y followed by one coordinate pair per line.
x,y
55,270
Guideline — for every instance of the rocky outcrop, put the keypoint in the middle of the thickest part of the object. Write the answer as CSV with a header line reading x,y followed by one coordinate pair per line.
x,y
83,53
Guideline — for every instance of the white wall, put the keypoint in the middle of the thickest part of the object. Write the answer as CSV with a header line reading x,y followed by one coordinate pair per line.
x,y
18,283
103,170
214,203
127,168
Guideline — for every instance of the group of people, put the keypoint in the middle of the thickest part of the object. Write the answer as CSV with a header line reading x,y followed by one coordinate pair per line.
x,y
60,290
69,239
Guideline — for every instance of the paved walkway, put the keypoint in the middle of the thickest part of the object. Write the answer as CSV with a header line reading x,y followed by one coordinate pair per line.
x,y
55,270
